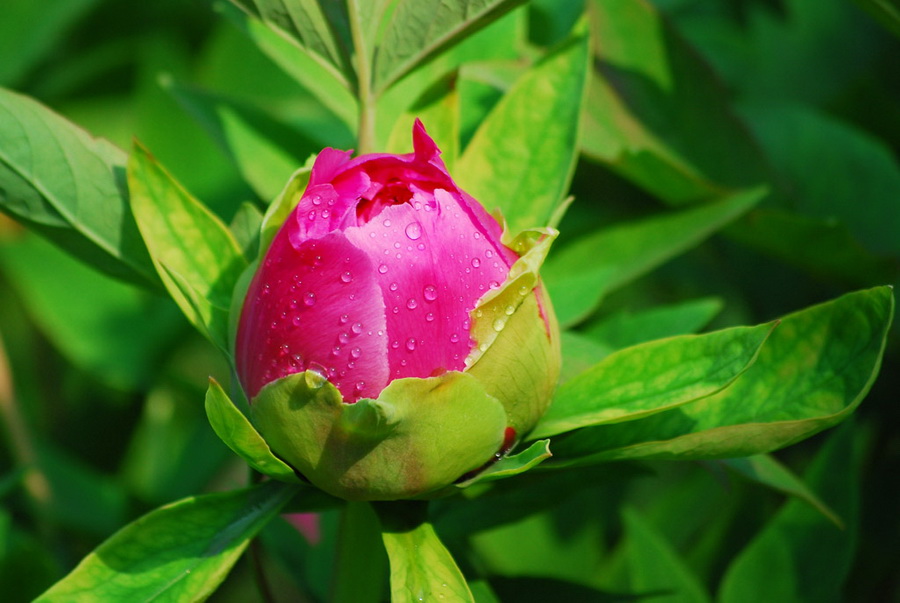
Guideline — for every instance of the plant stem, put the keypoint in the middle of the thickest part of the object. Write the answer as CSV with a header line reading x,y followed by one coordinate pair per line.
x,y
361,560
363,64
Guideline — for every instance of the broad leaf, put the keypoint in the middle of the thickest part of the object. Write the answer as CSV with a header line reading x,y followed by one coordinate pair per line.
x,y
656,113
812,373
420,29
196,255
654,566
69,187
652,378
235,430
438,109
800,555
421,568
886,11
329,86
180,552
766,470
579,274
623,329
512,465
264,149
522,157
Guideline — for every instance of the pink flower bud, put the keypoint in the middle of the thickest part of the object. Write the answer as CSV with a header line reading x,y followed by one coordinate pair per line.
x,y
373,276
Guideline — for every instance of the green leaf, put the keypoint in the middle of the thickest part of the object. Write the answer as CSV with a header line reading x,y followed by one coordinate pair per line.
x,y
814,370
656,113
110,329
235,430
421,568
579,274
264,149
830,170
580,353
29,30
766,470
653,377
245,225
328,85
630,328
318,27
420,29
800,555
522,157
886,11
179,552
70,188
823,247
654,566
196,255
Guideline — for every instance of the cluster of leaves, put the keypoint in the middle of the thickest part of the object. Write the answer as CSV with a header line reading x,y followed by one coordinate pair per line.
x,y
694,137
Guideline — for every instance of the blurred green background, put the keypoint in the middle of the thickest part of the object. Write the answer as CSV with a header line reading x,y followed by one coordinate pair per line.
x,y
107,381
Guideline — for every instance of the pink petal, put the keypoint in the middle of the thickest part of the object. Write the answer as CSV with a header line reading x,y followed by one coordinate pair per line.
x,y
315,305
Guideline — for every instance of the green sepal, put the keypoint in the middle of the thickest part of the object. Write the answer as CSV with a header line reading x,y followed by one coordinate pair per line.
x,y
517,349
512,465
419,436
235,430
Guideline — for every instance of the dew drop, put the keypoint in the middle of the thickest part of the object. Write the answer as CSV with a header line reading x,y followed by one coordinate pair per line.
x,y
429,317
523,290
411,344
344,318
454,338
411,303
483,347
316,375
343,338
355,353
488,253
336,350
498,325
395,309
325,213
478,313
360,385
356,329
393,286
295,321
395,344
396,245
317,200
510,310
414,231
346,277
382,268
429,293
309,299
311,216
293,305
266,289
387,223
476,262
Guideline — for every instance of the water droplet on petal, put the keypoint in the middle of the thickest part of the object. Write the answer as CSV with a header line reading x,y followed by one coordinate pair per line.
x,y
344,318
454,338
356,329
411,344
325,213
429,317
395,344
316,375
510,310
476,262
360,385
295,321
413,230
343,338
346,277
476,235
336,350
411,303
478,313
429,293
488,253
393,287
311,216
387,223
355,353
309,299
498,325
317,200
382,268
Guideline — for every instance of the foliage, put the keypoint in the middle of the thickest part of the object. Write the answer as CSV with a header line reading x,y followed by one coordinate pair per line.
x,y
731,164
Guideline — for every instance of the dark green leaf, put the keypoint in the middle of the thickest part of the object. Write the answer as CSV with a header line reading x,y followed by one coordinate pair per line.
x,y
812,373
657,114
195,253
264,149
180,552
69,187
512,465
421,29
653,377
766,470
521,158
579,274
886,11
623,329
800,555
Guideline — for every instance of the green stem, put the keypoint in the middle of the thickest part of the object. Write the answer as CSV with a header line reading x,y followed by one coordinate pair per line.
x,y
361,562
367,100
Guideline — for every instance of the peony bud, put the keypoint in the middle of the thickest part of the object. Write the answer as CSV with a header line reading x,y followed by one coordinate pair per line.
x,y
390,342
